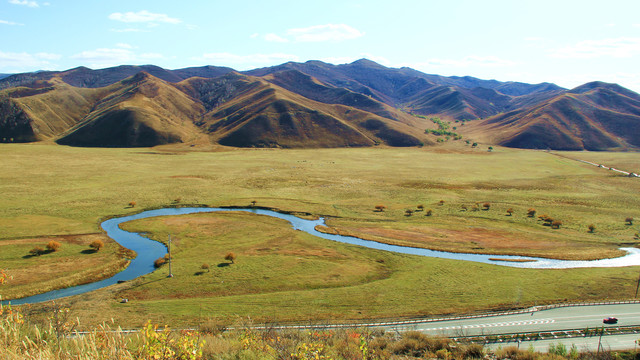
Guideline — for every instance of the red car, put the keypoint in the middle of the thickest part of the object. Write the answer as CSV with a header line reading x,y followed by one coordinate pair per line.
x,y
610,320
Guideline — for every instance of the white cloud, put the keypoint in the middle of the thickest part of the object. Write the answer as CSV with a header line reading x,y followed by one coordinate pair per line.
x,y
19,62
124,46
616,47
338,60
246,62
129,30
151,56
107,57
48,56
275,38
468,61
32,4
4,22
328,32
143,16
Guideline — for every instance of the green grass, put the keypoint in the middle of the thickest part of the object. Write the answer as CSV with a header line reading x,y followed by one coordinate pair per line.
x,y
55,190
72,264
285,275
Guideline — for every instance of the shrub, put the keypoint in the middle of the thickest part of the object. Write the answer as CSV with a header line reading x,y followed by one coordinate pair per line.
x,y
486,206
473,351
132,204
96,245
408,212
205,267
531,212
629,220
429,212
253,203
441,202
230,257
37,251
380,208
420,207
463,207
475,208
509,211
53,246
592,228
159,262
556,224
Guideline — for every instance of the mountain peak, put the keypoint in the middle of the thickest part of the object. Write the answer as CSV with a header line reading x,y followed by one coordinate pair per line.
x,y
367,63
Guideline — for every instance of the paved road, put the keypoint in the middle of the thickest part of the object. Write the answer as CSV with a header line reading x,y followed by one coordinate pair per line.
x,y
610,342
579,317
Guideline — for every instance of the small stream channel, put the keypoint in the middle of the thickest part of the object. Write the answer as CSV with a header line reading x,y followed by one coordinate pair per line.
x,y
149,250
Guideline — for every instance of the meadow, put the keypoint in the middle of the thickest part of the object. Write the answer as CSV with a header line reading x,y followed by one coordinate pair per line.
x,y
63,193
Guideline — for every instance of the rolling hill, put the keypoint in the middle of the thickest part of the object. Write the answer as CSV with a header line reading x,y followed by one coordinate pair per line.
x,y
594,116
311,104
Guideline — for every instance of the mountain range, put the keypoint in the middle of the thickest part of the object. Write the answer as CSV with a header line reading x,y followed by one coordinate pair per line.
x,y
311,104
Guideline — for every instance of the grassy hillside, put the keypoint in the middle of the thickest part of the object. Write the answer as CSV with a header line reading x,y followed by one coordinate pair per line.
x,y
595,116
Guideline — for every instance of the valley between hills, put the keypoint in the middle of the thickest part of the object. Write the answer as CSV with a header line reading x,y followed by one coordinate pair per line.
x,y
390,155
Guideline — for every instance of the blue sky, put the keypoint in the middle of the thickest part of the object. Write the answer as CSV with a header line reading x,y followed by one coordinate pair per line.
x,y
562,41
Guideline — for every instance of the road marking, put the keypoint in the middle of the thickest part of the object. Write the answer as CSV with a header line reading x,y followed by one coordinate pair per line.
x,y
498,324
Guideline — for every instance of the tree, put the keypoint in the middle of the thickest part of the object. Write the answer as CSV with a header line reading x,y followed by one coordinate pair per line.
x,y
441,202
629,220
53,246
159,262
429,212
556,224
420,207
490,148
475,144
509,211
132,204
231,257
205,266
463,207
37,251
96,245
486,206
380,208
253,203
531,212
592,228
408,212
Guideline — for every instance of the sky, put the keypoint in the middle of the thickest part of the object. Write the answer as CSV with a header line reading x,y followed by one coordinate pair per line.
x,y
565,42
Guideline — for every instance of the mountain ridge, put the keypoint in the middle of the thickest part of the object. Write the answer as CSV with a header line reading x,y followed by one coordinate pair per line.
x,y
311,104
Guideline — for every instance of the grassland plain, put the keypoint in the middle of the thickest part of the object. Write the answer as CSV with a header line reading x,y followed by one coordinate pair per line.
x,y
54,191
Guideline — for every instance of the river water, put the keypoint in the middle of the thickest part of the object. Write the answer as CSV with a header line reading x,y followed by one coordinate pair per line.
x,y
149,250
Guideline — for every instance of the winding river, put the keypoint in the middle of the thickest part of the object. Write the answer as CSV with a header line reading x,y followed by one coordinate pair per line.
x,y
149,250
